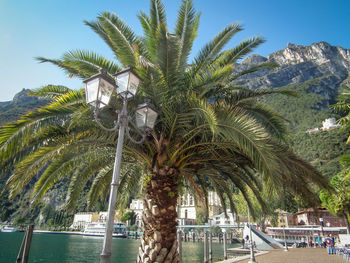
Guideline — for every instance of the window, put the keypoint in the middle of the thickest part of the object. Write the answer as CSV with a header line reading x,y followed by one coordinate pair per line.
x,y
191,200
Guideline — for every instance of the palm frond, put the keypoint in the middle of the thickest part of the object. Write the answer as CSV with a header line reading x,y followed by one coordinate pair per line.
x,y
186,30
50,91
212,49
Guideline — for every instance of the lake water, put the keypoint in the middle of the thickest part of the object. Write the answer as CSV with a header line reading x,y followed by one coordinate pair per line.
x,y
69,248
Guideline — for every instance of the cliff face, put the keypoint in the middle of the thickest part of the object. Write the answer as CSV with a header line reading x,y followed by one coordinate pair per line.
x,y
327,64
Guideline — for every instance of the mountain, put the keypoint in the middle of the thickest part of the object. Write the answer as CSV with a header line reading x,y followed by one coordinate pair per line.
x,y
20,105
298,64
317,73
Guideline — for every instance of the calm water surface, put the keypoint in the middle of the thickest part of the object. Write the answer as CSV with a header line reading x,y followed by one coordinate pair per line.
x,y
69,248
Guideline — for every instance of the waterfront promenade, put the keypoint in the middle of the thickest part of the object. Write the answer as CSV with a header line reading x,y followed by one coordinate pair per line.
x,y
297,255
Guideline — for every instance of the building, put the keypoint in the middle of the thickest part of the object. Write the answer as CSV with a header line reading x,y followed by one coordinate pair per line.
x,y
329,124
222,220
313,216
187,212
285,218
82,219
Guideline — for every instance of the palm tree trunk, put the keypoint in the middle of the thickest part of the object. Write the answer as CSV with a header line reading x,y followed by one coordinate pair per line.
x,y
159,242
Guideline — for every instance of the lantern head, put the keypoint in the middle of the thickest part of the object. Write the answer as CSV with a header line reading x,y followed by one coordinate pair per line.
x,y
128,82
146,116
99,89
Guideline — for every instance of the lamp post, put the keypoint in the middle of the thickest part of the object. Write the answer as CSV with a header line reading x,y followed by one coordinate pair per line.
x,y
99,89
252,257
284,232
321,220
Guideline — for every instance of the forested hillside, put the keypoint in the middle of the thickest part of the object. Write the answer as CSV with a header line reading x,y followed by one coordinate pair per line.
x,y
21,104
317,73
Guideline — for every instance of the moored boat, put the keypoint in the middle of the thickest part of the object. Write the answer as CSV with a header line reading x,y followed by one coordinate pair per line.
x,y
9,229
98,229
302,234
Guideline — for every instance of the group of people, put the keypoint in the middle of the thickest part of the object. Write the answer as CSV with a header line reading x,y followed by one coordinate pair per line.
x,y
330,244
325,242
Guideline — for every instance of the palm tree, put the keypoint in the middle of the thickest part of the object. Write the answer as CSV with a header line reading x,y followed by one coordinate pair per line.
x,y
209,133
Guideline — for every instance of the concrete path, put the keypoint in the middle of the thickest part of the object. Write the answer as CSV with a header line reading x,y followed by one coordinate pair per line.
x,y
298,255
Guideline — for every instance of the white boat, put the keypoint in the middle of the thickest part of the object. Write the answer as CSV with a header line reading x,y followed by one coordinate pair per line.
x,y
301,234
9,229
98,229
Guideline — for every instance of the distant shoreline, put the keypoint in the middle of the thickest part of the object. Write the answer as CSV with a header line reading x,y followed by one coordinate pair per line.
x,y
75,233
59,232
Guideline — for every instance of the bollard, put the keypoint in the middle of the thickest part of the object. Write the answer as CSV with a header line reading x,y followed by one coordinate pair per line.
x,y
25,246
193,237
210,247
179,242
28,243
205,246
20,253
225,248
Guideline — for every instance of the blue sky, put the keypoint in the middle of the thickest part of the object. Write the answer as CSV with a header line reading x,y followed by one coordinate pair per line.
x,y
48,28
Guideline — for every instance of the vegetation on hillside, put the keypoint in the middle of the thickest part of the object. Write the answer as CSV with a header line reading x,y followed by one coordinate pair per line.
x,y
21,105
324,148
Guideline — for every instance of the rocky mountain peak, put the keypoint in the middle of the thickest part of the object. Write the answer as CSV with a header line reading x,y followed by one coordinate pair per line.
x,y
319,53
253,59
321,67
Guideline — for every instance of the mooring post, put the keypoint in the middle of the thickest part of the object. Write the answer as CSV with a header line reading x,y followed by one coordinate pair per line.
x,y
210,247
225,243
20,253
179,242
28,241
205,246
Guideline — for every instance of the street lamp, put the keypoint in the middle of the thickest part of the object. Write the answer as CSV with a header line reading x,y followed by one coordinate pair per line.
x,y
99,90
321,220
284,232
252,257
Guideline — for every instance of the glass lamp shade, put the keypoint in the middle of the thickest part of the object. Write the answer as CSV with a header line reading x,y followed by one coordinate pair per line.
x,y
128,82
146,116
98,90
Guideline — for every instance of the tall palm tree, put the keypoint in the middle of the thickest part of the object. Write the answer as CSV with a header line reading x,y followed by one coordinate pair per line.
x,y
209,133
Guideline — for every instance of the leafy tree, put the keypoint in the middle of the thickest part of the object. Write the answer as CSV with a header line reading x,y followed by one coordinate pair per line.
x,y
337,201
129,216
209,134
133,228
343,107
20,221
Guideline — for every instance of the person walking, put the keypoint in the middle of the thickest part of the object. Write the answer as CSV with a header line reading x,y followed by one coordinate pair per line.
x,y
319,241
330,245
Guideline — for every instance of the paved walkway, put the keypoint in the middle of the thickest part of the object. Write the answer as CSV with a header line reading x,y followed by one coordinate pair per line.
x,y
298,255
